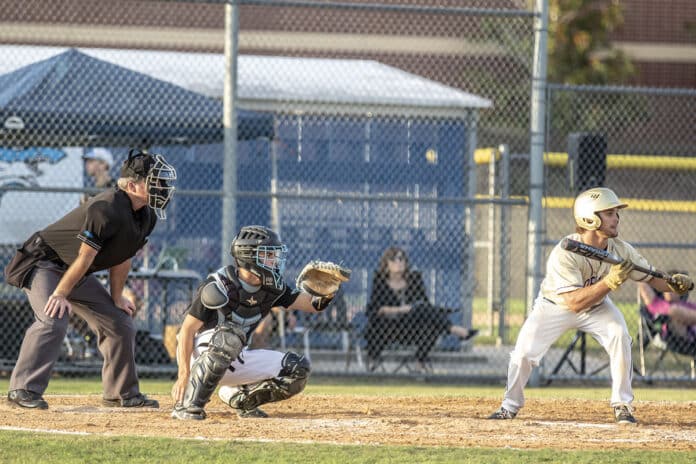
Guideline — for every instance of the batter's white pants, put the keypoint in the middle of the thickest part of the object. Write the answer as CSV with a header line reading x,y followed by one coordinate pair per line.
x,y
251,366
546,323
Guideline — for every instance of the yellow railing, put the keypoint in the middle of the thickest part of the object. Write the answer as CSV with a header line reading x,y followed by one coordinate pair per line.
x,y
623,161
675,206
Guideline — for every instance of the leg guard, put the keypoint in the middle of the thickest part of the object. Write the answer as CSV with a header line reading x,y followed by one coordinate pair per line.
x,y
291,380
225,345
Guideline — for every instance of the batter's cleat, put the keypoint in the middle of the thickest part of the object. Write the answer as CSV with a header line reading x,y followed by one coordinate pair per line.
x,y
624,415
26,399
255,413
191,413
502,414
138,401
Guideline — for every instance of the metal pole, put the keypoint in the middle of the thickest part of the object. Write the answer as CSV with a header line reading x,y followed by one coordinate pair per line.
x,y
504,238
229,163
490,290
536,158
467,285
275,225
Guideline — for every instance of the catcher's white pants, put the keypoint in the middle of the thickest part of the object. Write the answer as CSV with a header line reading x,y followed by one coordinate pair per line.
x,y
251,367
546,323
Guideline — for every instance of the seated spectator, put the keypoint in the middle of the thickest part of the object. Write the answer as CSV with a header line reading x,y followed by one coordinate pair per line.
x,y
98,162
399,310
679,313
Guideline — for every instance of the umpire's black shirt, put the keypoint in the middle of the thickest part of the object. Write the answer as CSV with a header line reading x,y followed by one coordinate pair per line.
x,y
108,224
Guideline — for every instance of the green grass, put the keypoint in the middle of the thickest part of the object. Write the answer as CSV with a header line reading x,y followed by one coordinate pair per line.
x,y
19,447
28,447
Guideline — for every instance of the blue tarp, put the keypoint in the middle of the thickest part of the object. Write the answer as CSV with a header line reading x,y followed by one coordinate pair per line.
x,y
75,99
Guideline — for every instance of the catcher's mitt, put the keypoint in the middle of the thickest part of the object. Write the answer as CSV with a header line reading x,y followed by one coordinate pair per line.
x,y
322,278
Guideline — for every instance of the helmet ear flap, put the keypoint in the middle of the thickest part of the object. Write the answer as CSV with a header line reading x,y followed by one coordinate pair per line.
x,y
590,223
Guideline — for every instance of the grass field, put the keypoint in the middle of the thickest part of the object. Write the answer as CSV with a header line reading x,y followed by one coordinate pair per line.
x,y
31,447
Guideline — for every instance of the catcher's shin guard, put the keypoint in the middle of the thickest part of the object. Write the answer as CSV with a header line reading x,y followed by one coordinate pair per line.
x,y
225,345
290,381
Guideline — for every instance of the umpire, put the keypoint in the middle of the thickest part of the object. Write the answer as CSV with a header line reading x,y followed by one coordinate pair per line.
x,y
55,265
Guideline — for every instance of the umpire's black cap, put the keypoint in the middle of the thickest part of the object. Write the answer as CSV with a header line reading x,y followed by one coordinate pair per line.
x,y
138,164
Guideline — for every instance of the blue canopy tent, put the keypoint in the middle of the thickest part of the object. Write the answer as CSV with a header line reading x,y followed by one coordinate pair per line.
x,y
73,99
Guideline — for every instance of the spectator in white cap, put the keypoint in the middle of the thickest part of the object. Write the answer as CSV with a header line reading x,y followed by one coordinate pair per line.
x,y
98,162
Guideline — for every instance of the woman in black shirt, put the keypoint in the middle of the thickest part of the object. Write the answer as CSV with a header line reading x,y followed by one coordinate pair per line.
x,y
399,311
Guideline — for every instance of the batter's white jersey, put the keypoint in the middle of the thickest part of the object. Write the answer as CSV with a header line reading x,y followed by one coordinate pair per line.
x,y
550,318
567,271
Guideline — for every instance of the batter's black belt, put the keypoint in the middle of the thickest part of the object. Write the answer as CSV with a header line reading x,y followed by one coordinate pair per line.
x,y
553,302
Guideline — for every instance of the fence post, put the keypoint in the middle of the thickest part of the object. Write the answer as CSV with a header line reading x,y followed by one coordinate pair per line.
x,y
504,245
536,159
229,161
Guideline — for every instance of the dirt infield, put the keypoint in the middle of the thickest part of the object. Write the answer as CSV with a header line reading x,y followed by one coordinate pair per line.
x,y
421,421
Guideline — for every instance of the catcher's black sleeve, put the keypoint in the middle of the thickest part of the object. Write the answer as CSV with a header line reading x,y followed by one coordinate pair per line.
x,y
287,298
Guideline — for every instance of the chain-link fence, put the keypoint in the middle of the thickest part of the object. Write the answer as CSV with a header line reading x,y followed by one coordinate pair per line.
x,y
358,124
639,142
359,128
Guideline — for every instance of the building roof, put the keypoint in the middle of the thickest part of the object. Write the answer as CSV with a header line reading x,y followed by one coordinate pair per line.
x,y
285,84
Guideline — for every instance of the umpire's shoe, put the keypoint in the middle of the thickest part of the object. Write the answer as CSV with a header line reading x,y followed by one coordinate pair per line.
x,y
138,401
190,413
502,414
27,399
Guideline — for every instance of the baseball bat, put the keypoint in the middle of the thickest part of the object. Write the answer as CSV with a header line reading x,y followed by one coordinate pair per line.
x,y
602,255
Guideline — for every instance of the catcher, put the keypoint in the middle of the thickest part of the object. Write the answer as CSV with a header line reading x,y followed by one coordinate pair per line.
x,y
212,346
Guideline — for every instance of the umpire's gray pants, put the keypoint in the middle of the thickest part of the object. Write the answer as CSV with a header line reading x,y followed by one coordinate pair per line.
x,y
42,343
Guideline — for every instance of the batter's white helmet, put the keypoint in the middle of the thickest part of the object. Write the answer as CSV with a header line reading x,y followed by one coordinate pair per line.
x,y
589,202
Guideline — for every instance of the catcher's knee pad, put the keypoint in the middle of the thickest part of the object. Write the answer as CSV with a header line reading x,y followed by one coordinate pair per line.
x,y
227,341
294,368
292,379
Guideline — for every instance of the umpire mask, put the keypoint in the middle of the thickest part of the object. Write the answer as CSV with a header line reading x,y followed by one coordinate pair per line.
x,y
159,188
158,175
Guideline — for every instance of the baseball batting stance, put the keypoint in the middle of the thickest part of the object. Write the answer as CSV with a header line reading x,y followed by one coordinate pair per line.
x,y
213,341
575,295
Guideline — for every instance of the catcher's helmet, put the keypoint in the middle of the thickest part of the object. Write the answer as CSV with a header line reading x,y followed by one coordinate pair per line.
x,y
157,174
590,202
259,250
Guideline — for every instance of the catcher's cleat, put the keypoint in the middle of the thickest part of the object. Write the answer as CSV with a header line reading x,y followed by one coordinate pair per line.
x,y
191,413
624,415
27,399
138,401
502,414
255,413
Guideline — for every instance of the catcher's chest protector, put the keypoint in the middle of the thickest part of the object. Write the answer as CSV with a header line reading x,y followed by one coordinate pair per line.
x,y
252,308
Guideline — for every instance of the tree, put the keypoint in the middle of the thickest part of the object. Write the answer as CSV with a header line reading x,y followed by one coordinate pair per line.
x,y
580,51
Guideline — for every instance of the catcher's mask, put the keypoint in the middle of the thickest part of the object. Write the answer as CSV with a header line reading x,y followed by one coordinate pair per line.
x,y
157,174
259,250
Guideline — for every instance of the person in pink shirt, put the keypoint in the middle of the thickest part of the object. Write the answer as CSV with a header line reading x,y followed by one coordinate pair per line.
x,y
681,313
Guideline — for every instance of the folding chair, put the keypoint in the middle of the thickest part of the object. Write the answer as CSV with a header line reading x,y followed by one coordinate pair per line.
x,y
654,332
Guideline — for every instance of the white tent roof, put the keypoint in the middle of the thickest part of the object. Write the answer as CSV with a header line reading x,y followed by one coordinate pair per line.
x,y
292,84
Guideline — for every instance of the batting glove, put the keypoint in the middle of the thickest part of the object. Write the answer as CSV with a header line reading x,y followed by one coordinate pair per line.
x,y
618,274
680,283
